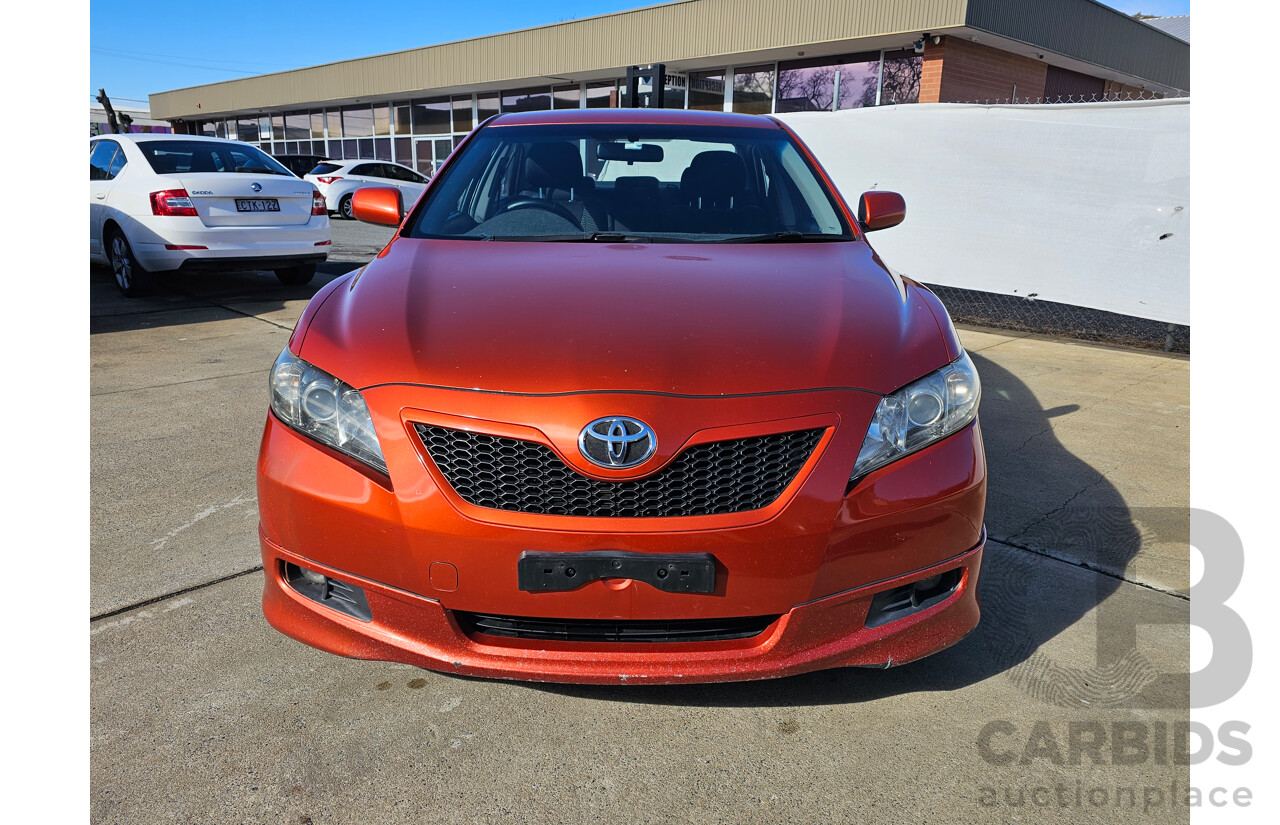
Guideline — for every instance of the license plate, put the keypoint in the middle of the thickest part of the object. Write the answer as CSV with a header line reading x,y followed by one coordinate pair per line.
x,y
257,205
673,573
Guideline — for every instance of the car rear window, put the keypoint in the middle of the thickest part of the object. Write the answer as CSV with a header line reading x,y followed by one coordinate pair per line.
x,y
172,157
325,168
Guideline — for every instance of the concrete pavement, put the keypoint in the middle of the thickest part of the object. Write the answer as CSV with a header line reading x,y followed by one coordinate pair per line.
x,y
202,713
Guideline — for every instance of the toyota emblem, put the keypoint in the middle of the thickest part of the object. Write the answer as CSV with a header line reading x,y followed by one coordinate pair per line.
x,y
617,442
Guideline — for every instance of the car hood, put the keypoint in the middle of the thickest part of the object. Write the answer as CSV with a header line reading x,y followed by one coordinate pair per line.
x,y
689,319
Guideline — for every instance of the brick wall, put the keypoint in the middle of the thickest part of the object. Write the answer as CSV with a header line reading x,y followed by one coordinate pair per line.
x,y
959,71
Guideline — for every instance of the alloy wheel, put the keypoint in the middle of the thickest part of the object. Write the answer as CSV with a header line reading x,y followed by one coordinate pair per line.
x,y
121,262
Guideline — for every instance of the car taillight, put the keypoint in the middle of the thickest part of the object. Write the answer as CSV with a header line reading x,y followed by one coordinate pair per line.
x,y
326,180
172,202
318,206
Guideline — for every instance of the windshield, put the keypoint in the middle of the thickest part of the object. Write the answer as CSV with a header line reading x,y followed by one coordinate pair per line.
x,y
620,182
171,157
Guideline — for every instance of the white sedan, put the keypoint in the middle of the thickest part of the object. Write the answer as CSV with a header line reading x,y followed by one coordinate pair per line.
x,y
160,202
338,180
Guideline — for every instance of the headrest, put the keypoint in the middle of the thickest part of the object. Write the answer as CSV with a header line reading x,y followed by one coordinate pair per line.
x,y
637,185
553,166
202,162
714,177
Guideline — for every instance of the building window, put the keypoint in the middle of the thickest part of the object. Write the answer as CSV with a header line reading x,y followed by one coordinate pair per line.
x,y
602,94
533,99
247,129
357,122
901,81
424,158
566,97
753,89
297,126
404,151
382,121
400,119
443,149
706,90
462,114
333,122
811,85
673,94
431,117
486,106
382,148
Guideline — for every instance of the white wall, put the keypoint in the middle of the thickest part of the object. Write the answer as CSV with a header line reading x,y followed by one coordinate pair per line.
x,y
1062,202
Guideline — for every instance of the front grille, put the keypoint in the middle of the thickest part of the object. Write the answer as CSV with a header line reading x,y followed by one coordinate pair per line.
x,y
706,479
594,630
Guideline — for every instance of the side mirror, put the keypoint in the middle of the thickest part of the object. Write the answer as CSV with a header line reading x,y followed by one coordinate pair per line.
x,y
881,210
378,204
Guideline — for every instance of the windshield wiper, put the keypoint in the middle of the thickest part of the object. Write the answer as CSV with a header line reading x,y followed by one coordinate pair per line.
x,y
784,237
606,237
594,237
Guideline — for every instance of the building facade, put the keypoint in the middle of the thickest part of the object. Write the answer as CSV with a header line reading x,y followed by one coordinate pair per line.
x,y
747,56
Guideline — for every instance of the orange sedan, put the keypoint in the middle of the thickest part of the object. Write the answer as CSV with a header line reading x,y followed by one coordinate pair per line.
x,y
628,398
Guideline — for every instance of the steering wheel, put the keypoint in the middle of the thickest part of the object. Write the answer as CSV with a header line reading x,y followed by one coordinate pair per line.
x,y
539,203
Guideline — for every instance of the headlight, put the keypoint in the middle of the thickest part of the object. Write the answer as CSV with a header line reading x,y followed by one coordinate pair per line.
x,y
318,405
919,414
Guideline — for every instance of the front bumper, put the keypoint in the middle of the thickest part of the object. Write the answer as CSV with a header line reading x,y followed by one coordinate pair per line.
x,y
815,558
822,634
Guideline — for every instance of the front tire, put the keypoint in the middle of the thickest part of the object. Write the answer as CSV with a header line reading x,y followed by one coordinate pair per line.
x,y
296,275
132,278
344,208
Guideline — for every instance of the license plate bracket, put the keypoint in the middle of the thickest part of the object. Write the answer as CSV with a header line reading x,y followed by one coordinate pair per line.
x,y
539,572
257,204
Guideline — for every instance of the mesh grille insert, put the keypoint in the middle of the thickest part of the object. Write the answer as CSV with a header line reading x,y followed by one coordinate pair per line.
x,y
594,630
706,479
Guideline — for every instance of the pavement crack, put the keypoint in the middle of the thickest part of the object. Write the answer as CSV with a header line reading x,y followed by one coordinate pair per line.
x,y
1102,477
191,589
177,383
1094,568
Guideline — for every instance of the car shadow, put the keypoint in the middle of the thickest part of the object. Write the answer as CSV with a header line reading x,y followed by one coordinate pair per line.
x,y
1026,599
181,297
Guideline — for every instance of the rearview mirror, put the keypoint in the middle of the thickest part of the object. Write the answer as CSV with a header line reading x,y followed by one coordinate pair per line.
x,y
630,152
881,210
378,204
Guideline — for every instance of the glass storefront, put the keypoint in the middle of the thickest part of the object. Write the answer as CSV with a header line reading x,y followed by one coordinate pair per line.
x,y
535,99
826,84
901,81
753,89
706,90
421,133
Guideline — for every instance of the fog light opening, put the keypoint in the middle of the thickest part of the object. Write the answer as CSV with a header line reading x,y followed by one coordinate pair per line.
x,y
900,602
332,593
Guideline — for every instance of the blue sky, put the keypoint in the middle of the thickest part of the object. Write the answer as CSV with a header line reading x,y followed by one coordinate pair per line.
x,y
139,46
